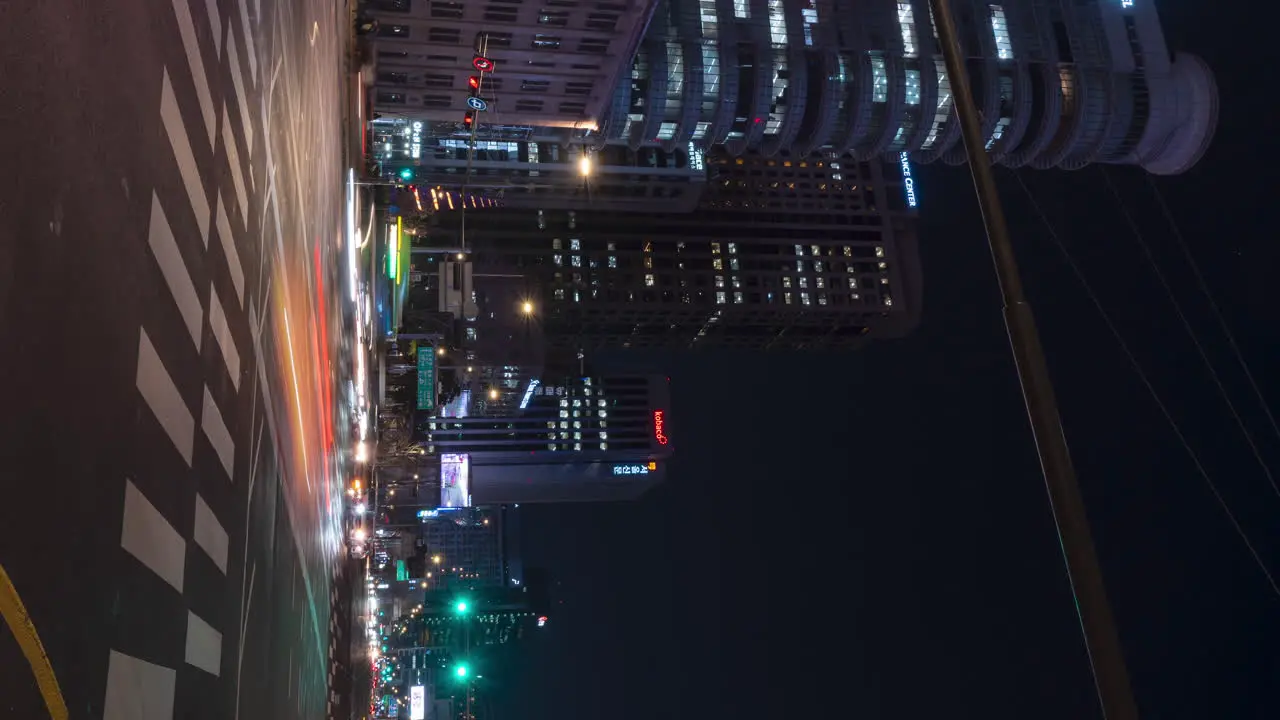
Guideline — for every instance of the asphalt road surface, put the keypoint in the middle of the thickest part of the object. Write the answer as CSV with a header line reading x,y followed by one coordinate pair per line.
x,y
172,315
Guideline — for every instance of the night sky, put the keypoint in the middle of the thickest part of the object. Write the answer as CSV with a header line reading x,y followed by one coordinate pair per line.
x,y
867,535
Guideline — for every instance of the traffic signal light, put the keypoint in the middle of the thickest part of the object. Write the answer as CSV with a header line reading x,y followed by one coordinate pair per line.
x,y
461,606
469,120
406,173
474,83
461,671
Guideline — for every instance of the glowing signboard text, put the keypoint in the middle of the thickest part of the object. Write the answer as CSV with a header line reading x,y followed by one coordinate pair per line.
x,y
659,424
633,469
415,147
908,182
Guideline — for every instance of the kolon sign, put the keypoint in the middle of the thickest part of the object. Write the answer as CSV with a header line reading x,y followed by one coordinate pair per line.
x,y
659,426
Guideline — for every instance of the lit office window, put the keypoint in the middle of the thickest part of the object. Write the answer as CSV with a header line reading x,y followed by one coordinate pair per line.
x,y
719,281
742,9
720,297
879,79
709,18
810,17
648,279
1000,28
575,244
804,298
853,283
733,248
558,259
717,263
777,23
737,298
913,87
613,261
786,298
907,24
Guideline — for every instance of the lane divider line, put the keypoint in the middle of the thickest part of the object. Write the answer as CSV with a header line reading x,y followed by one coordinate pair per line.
x,y
24,631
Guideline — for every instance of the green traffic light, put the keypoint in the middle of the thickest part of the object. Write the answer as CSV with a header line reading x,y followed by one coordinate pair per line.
x,y
406,173
461,671
461,606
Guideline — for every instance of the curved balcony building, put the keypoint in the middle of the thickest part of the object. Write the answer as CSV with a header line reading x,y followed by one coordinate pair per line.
x,y
1059,83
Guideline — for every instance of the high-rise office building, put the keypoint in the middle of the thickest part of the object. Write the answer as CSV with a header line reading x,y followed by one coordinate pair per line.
x,y
556,61
782,252
1059,84
566,439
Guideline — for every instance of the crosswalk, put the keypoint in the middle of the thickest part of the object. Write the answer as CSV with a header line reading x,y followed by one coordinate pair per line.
x,y
174,520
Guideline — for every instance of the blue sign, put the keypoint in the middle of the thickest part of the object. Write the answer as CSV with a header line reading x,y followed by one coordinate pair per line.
x,y
633,469
476,103
908,182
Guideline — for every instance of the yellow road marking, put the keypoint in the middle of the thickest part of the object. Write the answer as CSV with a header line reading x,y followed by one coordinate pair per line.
x,y
15,615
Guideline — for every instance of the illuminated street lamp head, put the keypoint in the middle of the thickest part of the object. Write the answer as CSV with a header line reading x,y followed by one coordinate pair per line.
x,y
584,165
435,559
493,393
439,351
526,307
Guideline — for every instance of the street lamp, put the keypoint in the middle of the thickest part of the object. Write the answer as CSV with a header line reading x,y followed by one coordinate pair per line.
x,y
584,165
493,393
526,307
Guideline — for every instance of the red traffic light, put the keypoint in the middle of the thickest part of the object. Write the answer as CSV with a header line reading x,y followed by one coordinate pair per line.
x,y
474,82
469,119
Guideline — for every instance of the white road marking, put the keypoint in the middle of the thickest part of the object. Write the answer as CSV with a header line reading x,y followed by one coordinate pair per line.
x,y
165,249
204,645
187,29
248,43
162,396
209,535
147,536
216,430
177,133
222,335
215,22
237,80
138,690
237,173
229,249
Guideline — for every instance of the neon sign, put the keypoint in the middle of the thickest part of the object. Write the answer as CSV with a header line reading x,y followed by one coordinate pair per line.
x,y
415,147
908,182
634,469
659,423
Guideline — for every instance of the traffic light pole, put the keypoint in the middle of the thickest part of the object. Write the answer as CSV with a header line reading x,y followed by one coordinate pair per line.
x,y
1102,643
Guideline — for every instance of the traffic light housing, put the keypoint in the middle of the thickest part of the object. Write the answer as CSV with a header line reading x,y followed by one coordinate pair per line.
x,y
469,120
473,82
406,173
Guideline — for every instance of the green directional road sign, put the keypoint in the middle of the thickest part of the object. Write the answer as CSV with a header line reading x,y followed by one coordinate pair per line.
x,y
426,377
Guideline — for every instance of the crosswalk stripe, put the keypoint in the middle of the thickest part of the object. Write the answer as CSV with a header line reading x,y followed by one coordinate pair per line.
x,y
248,44
174,269
138,690
237,172
162,396
215,22
209,535
150,538
204,645
222,335
237,81
187,29
229,249
216,430
177,133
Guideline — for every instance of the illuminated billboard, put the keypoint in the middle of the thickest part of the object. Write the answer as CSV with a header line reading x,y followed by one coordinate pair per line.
x,y
635,468
455,480
417,702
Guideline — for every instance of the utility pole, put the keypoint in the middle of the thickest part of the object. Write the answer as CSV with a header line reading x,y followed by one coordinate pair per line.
x,y
1110,676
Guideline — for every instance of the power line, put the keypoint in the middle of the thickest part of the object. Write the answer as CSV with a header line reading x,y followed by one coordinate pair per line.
x,y
1186,324
1155,396
1213,305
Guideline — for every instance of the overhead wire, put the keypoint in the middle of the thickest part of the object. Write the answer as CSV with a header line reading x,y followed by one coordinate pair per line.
x,y
1186,324
1213,305
1146,381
